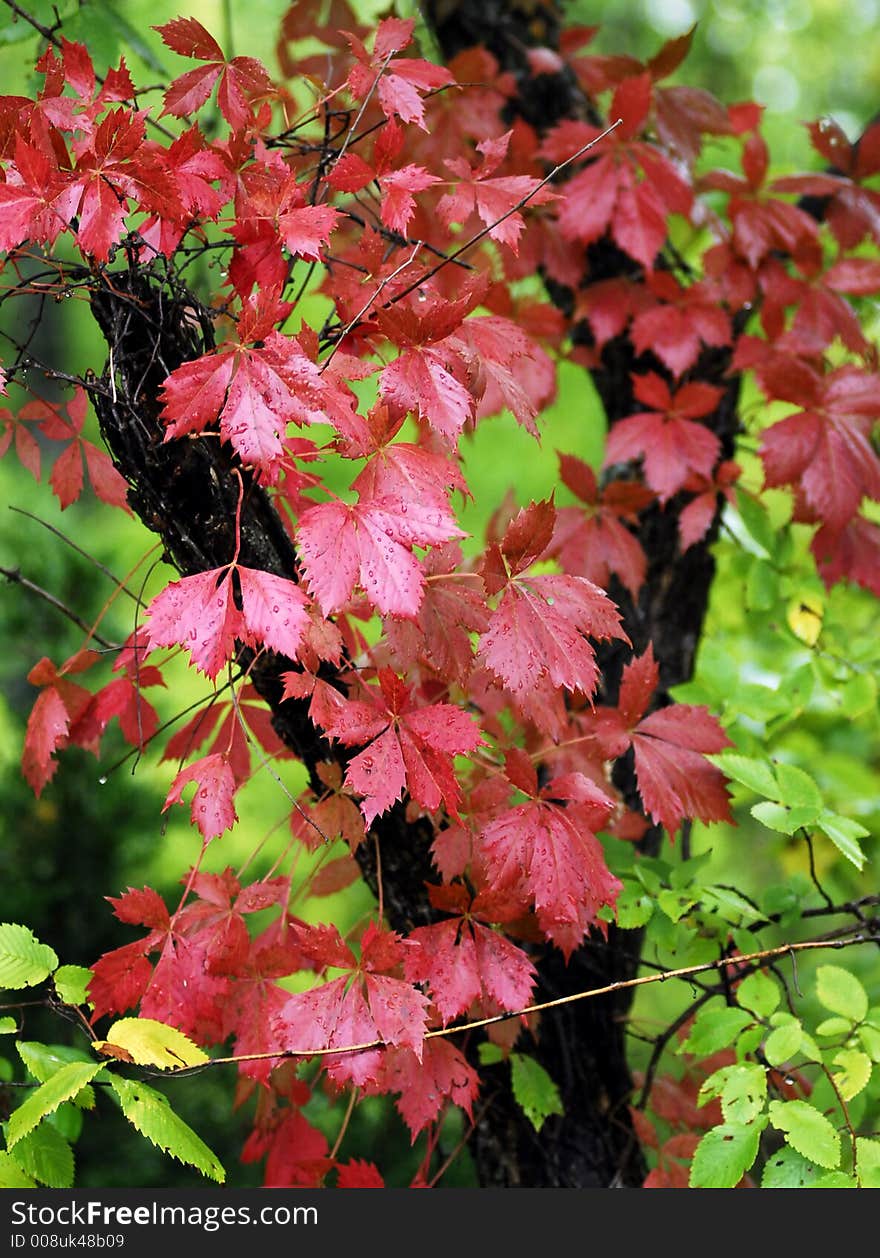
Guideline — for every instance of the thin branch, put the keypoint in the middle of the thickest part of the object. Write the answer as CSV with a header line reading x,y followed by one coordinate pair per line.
x,y
14,575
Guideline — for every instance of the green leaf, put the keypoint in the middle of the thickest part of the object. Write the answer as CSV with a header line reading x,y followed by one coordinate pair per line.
x,y
841,992
854,1073
808,1131
63,1086
71,984
756,774
150,1113
724,1155
8,1026
714,1029
634,907
868,1162
490,1054
43,1060
844,833
46,1156
797,789
836,1179
784,1043
760,993
675,904
24,961
777,817
736,905
788,1169
534,1090
744,1094
760,536
151,1043
11,1174
832,1028
762,586
869,1038
859,695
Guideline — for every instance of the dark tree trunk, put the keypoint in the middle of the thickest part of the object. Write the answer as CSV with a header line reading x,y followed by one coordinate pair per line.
x,y
186,492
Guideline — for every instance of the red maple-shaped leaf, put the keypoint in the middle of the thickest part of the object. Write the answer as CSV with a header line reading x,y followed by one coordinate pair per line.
x,y
411,746
341,1014
199,612
399,82
359,1174
426,1082
541,626
667,438
675,779
682,321
462,960
60,423
55,718
212,809
851,554
494,198
548,851
592,540
824,448
240,80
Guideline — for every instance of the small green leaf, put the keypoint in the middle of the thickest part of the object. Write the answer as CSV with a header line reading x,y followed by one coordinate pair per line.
x,y
788,1169
808,1131
868,1162
836,1179
756,774
490,1054
71,984
534,1090
869,1038
675,904
744,1094
8,1026
784,1043
24,961
634,907
831,1028
150,1113
797,789
854,1073
760,993
844,833
63,1086
775,817
762,586
724,1155
841,992
737,905
45,1155
11,1174
714,1029
761,539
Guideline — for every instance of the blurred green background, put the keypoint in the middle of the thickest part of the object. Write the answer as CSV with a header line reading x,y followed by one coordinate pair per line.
x,y
83,839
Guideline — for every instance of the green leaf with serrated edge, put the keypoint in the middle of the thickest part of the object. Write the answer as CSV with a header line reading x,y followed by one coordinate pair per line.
x,y
11,1174
854,1072
44,1060
832,1028
869,1038
71,984
837,1179
781,818
796,788
490,1054
808,1131
859,695
732,901
760,993
744,1094
24,961
675,904
841,992
534,1090
788,1169
150,1113
844,834
46,1156
756,774
724,1155
784,1043
714,1029
633,907
8,1026
63,1086
750,1040
152,1043
868,1162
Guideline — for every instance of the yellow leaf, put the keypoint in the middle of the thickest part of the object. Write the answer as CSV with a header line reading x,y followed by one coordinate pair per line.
x,y
804,618
150,1043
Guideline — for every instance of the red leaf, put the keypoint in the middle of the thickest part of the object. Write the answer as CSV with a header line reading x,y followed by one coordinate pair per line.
x,y
425,1083
274,611
197,612
359,1174
212,809
47,729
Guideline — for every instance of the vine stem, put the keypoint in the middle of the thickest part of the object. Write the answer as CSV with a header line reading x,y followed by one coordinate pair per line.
x,y
644,980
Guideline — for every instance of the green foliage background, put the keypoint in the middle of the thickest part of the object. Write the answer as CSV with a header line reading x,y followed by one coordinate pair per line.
x,y
813,706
